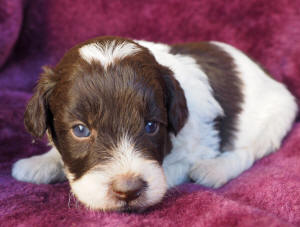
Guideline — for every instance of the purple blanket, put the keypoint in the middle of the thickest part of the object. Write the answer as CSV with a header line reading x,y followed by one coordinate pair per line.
x,y
37,32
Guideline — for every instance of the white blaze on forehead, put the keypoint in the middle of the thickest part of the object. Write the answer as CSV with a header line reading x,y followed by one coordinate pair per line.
x,y
109,51
93,188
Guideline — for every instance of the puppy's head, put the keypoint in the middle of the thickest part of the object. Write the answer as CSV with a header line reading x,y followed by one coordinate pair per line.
x,y
109,107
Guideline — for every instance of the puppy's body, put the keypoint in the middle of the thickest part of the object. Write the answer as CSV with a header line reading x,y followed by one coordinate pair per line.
x,y
255,112
217,110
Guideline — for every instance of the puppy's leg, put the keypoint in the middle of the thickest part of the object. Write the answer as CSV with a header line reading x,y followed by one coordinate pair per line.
x,y
218,171
40,169
177,165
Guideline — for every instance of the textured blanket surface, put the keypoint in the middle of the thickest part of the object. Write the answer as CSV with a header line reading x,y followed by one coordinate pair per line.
x,y
34,33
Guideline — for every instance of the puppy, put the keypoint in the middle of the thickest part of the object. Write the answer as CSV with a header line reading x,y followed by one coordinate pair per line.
x,y
129,119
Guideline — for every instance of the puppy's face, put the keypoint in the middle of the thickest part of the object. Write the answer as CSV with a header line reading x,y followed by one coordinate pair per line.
x,y
109,107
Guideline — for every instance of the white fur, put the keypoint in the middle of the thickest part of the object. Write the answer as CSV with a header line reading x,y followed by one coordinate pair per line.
x,y
108,52
93,188
40,169
267,114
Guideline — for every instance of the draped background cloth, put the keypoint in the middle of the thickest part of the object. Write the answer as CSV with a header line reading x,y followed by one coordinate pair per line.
x,y
34,33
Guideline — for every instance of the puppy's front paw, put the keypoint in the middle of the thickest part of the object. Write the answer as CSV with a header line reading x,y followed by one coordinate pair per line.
x,y
209,173
39,169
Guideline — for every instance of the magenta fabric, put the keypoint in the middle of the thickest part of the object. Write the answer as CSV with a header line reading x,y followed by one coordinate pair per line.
x,y
37,32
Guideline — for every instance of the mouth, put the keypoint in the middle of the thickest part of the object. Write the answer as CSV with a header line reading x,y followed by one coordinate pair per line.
x,y
129,209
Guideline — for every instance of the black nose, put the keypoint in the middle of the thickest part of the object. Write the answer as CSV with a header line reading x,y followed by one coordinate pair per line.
x,y
128,188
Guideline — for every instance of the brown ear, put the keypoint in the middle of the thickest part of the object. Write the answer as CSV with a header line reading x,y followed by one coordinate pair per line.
x,y
176,104
37,112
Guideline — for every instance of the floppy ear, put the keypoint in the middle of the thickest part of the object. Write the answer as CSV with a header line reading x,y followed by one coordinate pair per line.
x,y
37,112
176,103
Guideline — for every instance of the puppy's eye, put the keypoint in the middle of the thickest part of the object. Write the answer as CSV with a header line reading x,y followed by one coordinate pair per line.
x,y
81,131
151,127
